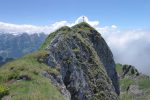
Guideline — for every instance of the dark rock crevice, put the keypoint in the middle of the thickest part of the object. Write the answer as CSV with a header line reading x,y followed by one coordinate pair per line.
x,y
86,64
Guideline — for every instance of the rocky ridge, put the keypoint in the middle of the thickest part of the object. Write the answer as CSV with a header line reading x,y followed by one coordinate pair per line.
x,y
85,61
74,63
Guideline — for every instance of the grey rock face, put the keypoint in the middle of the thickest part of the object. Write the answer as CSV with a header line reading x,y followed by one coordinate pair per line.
x,y
106,57
58,82
134,89
104,53
86,65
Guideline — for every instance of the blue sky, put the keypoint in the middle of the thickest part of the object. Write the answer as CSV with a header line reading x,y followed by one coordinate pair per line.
x,y
123,13
124,24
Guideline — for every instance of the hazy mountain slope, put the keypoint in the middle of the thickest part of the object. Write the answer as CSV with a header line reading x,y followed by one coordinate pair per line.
x,y
5,60
73,64
14,46
133,85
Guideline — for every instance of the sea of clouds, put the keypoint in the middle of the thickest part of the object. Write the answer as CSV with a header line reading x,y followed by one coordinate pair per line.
x,y
128,46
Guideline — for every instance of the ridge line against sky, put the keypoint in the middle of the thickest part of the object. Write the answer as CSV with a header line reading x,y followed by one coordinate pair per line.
x,y
125,24
128,46
20,28
124,13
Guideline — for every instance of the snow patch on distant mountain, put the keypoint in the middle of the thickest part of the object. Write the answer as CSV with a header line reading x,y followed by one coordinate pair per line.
x,y
128,46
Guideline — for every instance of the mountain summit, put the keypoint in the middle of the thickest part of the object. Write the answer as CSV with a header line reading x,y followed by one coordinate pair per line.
x,y
74,63
85,59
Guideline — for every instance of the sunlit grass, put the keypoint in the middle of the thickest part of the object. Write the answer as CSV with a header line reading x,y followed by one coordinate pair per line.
x,y
37,87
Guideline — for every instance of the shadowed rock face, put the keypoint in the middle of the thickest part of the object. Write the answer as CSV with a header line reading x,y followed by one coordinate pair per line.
x,y
105,55
85,61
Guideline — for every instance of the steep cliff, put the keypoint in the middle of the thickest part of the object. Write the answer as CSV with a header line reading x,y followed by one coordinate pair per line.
x,y
86,62
75,63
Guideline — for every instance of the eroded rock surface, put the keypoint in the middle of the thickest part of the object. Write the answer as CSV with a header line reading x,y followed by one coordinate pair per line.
x,y
85,61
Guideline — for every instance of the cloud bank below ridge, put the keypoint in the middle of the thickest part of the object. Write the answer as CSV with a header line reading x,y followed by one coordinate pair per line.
x,y
128,46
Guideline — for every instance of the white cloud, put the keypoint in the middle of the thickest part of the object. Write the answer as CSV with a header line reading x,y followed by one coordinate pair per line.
x,y
128,46
15,28
114,26
92,23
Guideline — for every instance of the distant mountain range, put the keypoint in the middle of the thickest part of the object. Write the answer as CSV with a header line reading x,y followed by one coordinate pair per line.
x,y
14,45
74,63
